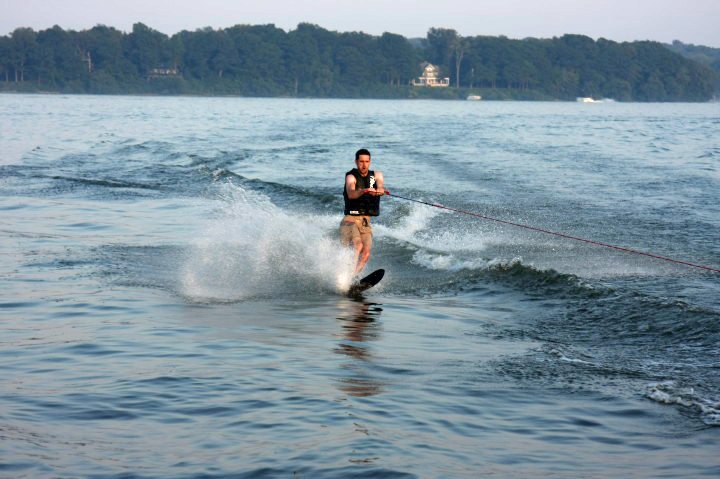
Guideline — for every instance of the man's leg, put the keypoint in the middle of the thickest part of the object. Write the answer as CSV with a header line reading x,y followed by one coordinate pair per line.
x,y
361,254
350,236
365,247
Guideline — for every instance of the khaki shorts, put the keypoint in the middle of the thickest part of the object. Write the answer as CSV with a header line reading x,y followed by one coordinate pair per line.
x,y
356,227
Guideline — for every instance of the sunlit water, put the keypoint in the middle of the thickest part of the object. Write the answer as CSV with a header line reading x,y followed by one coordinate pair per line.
x,y
171,290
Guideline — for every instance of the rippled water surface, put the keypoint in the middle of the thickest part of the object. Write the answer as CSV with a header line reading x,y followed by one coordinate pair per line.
x,y
171,283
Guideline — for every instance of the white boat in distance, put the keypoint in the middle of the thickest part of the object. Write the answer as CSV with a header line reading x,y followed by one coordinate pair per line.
x,y
592,100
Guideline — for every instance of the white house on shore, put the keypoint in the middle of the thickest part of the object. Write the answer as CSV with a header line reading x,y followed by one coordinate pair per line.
x,y
163,72
430,76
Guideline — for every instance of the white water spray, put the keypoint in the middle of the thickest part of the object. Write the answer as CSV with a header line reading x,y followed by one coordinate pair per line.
x,y
253,249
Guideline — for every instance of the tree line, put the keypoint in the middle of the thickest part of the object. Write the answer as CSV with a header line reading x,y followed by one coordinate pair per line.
x,y
310,61
706,55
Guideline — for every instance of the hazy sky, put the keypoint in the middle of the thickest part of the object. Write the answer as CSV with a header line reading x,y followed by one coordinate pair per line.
x,y
691,21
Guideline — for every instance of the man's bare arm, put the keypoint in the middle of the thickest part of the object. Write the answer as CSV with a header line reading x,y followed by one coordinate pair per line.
x,y
350,183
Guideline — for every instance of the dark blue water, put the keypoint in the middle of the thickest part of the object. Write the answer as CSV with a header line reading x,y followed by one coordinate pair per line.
x,y
171,306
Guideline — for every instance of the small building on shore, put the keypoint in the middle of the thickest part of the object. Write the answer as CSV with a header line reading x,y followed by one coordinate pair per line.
x,y
430,77
163,73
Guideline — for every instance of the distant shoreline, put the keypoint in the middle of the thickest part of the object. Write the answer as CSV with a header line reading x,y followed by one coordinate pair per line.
x,y
452,96
200,95
312,62
220,95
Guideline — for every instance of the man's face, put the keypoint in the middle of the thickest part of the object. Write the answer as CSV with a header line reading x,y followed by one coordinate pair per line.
x,y
363,164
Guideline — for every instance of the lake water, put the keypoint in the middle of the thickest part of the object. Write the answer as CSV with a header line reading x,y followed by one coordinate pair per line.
x,y
171,290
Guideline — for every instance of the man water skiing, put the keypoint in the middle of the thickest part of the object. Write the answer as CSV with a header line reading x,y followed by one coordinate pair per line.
x,y
362,192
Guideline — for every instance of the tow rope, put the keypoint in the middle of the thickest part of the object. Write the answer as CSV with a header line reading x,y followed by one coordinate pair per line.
x,y
627,250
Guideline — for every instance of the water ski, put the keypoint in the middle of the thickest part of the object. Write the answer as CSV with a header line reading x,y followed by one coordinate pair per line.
x,y
367,282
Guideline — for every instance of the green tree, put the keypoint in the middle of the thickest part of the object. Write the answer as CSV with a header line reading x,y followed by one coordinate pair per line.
x,y
359,64
520,74
146,48
25,46
223,54
399,59
7,57
306,58
459,47
198,51
441,47
60,61
618,89
176,51
262,68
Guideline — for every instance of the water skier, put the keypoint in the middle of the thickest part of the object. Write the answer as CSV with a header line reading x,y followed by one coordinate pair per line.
x,y
362,192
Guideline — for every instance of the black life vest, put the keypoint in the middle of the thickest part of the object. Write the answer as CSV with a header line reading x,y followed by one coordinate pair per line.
x,y
366,205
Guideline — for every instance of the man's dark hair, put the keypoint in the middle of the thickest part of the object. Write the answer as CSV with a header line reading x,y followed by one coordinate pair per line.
x,y
361,151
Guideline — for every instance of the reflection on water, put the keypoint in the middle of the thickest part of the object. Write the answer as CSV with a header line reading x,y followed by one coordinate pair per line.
x,y
358,320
